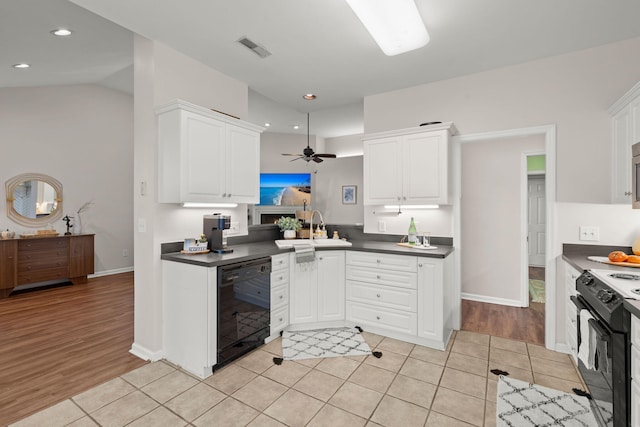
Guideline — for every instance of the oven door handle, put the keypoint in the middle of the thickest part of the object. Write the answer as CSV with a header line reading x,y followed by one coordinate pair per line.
x,y
603,334
577,301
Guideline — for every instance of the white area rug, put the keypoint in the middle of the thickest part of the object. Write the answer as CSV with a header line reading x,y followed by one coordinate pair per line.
x,y
522,404
323,343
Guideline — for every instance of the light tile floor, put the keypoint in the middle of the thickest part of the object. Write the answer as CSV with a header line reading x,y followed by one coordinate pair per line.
x,y
410,385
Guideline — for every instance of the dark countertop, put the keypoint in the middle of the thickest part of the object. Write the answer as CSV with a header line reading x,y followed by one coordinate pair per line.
x,y
248,251
576,256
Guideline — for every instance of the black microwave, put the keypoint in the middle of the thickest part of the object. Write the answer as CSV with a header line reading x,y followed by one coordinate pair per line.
x,y
635,176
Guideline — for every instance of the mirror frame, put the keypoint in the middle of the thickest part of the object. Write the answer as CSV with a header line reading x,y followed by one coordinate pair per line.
x,y
13,215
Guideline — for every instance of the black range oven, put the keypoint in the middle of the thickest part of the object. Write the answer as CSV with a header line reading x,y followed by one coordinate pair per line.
x,y
606,370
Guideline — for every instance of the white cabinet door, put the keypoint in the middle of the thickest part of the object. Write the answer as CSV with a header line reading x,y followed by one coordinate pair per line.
x,y
303,292
243,165
622,157
203,152
431,302
425,168
382,171
331,285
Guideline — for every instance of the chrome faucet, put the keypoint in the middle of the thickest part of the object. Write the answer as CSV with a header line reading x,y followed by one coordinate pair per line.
x,y
311,223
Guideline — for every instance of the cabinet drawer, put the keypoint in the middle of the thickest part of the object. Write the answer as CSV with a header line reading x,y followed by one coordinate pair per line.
x,y
279,278
43,244
279,262
279,319
383,277
42,275
386,261
635,331
398,298
38,260
279,296
386,318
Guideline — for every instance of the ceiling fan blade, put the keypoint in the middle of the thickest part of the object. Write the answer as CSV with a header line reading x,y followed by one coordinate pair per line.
x,y
317,159
329,156
291,154
297,158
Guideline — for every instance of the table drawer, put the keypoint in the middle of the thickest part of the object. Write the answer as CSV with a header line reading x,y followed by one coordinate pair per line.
x,y
386,261
279,296
38,260
387,318
279,262
392,297
42,275
43,244
383,277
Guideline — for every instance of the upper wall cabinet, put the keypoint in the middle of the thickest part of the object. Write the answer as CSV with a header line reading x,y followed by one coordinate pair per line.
x,y
408,166
204,156
626,132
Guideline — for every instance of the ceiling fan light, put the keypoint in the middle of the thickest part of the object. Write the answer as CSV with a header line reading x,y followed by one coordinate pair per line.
x,y
61,32
396,25
309,96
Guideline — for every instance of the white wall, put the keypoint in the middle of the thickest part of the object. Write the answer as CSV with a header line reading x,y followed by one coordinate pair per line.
x,y
331,175
572,91
81,135
491,218
162,75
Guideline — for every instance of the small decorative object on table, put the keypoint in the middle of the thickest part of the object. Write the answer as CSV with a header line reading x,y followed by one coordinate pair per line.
x,y
67,219
83,208
289,226
6,234
195,246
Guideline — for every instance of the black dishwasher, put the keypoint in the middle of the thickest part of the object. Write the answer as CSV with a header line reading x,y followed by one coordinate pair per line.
x,y
244,301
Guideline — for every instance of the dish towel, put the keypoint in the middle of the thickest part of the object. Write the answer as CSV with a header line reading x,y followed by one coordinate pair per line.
x,y
586,352
305,253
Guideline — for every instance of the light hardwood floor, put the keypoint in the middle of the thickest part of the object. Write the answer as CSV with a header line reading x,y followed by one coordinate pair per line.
x,y
58,342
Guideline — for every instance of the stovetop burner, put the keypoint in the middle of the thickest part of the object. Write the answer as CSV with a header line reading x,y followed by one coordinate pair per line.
x,y
625,276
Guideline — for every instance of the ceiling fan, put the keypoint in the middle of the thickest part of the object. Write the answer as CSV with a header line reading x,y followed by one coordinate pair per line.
x,y
308,154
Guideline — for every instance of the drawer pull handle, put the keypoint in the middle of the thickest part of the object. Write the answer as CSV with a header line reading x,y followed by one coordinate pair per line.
x,y
378,317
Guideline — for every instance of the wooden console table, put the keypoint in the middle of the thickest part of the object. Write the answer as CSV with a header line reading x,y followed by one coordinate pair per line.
x,y
45,259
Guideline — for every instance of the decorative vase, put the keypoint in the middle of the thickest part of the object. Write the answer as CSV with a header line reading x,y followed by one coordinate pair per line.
x,y
77,227
289,234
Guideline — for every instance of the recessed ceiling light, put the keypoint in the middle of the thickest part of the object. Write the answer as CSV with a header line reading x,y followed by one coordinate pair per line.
x,y
309,97
296,127
61,32
22,65
267,124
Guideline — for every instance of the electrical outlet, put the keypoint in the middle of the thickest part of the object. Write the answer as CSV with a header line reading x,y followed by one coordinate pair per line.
x,y
382,226
590,233
125,253
142,225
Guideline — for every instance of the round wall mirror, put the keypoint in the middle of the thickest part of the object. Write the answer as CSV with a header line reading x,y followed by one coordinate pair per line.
x,y
34,200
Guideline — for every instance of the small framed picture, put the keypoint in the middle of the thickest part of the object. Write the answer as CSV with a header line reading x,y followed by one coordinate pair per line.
x,y
349,194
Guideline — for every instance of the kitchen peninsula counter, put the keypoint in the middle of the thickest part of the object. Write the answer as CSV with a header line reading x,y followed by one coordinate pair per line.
x,y
249,251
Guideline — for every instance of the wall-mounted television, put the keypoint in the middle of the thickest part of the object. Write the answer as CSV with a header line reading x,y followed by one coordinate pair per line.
x,y
285,189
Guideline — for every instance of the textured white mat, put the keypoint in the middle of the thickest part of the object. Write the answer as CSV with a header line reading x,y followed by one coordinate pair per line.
x,y
522,404
333,342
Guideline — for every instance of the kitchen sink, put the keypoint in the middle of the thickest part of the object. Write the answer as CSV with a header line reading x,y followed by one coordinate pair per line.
x,y
325,243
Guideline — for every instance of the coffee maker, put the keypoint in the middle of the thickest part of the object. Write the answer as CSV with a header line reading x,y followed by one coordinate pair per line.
x,y
214,228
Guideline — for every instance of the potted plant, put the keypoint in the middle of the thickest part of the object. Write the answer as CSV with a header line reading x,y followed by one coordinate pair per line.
x,y
289,226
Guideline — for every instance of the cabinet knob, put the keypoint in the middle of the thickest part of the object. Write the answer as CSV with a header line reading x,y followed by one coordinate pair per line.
x,y
404,198
378,317
281,319
627,193
398,198
378,295
378,277
378,261
281,296
281,278
229,195
320,258
224,194
420,265
259,293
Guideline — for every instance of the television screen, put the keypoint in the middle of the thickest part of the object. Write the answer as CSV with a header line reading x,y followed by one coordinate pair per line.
x,y
285,189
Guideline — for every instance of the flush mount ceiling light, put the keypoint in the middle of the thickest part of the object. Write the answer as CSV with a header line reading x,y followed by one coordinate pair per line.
x,y
296,127
395,25
309,96
62,32
21,65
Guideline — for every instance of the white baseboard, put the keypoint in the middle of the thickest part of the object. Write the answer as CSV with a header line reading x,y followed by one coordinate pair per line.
x,y
491,300
144,353
110,272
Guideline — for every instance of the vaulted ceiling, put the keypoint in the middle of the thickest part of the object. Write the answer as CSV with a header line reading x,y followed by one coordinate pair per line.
x,y
317,46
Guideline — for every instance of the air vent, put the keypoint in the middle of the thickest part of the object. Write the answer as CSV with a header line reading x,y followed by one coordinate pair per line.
x,y
254,47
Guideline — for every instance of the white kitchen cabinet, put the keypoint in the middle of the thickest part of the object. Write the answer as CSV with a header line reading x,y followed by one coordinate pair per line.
x,y
279,294
408,167
626,132
635,369
204,156
571,323
189,306
435,300
317,289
